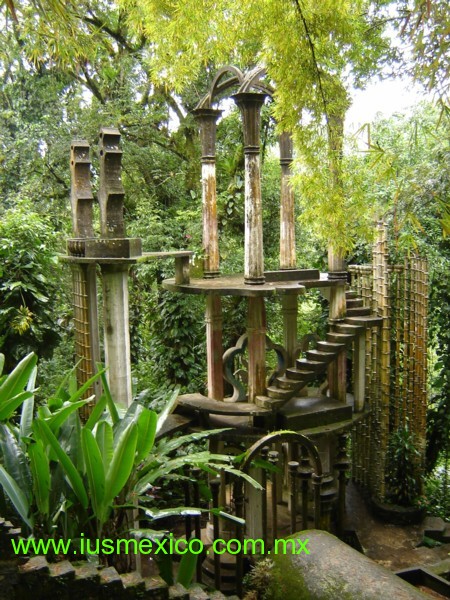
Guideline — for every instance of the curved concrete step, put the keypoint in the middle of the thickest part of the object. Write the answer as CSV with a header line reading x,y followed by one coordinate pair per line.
x,y
350,329
340,338
358,312
321,356
364,321
303,364
355,302
329,347
305,376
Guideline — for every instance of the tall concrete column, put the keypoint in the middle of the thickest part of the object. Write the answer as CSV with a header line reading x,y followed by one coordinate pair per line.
x,y
250,106
87,346
207,120
287,213
256,330
289,303
117,331
114,273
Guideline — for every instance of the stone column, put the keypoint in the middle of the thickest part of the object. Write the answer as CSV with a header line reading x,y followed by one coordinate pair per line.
x,y
114,274
87,346
287,214
207,118
337,371
250,106
287,247
256,329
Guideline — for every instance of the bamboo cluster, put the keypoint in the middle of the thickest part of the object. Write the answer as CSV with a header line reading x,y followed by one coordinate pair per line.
x,y
396,360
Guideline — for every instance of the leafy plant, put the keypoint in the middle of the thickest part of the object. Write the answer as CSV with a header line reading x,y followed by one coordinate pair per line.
x,y
403,483
63,477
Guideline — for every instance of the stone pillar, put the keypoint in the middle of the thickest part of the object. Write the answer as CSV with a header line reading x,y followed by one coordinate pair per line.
x,y
287,214
287,247
214,346
207,118
87,346
114,274
250,106
117,331
359,370
337,371
256,329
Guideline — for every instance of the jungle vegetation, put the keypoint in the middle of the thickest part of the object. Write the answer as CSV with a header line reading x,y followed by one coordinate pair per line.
x,y
67,68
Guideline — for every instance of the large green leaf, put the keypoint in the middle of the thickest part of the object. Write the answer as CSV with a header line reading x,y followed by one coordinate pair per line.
x,y
16,496
58,417
2,362
14,460
96,412
122,463
27,414
146,426
105,441
95,471
43,431
40,470
186,569
111,406
85,387
168,445
8,407
15,382
168,408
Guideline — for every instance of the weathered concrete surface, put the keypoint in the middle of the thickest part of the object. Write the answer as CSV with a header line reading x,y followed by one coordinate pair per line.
x,y
332,570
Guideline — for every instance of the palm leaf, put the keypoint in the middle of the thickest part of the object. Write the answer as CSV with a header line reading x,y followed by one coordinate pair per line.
x,y
16,381
168,408
146,427
122,463
44,432
95,471
105,441
40,470
16,496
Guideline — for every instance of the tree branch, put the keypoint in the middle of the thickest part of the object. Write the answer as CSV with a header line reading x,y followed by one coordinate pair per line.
x,y
314,60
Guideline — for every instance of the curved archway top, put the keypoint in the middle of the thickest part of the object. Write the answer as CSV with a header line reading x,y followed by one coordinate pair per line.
x,y
245,82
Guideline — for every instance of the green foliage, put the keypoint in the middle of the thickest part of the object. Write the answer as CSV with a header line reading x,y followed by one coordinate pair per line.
x,y
29,288
403,484
436,497
63,477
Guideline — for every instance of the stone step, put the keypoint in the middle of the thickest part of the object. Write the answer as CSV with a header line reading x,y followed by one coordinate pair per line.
x,y
272,404
320,356
87,578
310,365
300,376
286,383
62,571
340,338
348,328
358,312
276,392
329,347
354,303
364,321
309,412
178,592
133,582
351,294
433,525
111,583
156,588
